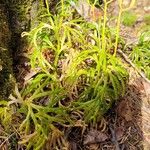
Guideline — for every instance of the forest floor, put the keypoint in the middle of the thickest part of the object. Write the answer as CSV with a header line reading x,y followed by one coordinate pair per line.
x,y
127,125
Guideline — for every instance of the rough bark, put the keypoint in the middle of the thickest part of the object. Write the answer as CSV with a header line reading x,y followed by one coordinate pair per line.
x,y
5,54
16,16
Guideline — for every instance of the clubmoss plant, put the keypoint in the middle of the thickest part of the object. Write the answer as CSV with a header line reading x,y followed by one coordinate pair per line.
x,y
141,53
147,19
37,104
79,54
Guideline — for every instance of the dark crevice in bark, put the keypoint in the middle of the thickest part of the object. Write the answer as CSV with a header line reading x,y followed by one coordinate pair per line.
x,y
18,22
5,54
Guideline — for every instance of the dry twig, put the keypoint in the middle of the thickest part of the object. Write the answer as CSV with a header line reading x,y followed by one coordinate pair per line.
x,y
130,62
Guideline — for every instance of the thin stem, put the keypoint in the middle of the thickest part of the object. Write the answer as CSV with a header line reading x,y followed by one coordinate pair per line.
x,y
47,6
104,27
119,20
117,33
103,35
62,6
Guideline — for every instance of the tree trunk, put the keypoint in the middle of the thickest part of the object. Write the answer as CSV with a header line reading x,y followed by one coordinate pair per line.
x,y
16,16
6,70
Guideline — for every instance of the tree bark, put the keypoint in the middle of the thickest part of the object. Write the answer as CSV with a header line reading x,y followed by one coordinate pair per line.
x,y
16,16
6,70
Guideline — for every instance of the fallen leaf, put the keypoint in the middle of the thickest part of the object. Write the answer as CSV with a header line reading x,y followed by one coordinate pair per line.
x,y
124,110
119,133
30,74
73,146
94,136
94,146
146,88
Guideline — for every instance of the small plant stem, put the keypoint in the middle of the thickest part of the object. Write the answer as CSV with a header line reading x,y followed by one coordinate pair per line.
x,y
57,53
56,60
117,33
121,9
47,6
104,27
104,24
62,6
103,35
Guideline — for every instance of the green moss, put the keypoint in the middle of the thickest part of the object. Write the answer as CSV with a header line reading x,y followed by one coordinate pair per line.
x,y
129,18
147,19
5,55
5,74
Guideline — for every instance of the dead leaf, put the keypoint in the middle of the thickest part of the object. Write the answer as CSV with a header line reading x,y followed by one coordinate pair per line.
x,y
139,84
146,88
30,74
94,136
124,110
119,133
73,146
94,146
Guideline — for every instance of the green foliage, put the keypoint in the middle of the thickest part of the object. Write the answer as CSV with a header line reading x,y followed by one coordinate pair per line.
x,y
39,119
141,53
129,18
80,60
5,113
147,19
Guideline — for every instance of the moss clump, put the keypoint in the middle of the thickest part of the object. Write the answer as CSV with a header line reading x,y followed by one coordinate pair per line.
x,y
129,18
147,19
